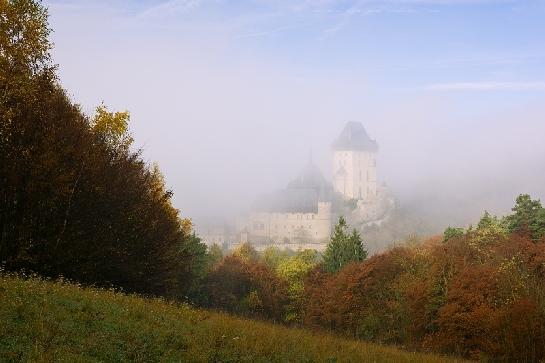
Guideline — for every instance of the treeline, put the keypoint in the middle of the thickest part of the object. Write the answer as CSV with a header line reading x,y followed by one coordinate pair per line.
x,y
75,199
477,292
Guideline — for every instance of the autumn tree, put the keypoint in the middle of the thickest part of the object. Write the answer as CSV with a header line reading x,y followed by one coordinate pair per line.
x,y
24,43
247,288
294,270
112,127
75,199
246,252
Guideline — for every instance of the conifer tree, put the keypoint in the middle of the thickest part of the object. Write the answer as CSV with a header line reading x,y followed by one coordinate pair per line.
x,y
343,248
529,217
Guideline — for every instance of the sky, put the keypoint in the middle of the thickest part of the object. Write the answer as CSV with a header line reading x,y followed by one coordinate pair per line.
x,y
231,97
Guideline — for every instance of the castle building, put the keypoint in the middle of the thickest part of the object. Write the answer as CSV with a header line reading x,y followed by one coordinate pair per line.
x,y
299,215
302,214
354,163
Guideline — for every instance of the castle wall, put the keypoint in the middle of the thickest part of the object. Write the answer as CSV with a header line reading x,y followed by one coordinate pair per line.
x,y
283,228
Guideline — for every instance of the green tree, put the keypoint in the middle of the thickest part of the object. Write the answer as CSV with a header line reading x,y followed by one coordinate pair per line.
x,y
215,254
490,228
343,248
528,217
452,232
274,256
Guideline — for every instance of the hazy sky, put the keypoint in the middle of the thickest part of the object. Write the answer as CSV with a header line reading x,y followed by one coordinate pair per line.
x,y
230,97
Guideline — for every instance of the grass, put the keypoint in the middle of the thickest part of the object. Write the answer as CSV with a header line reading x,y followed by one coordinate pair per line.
x,y
44,321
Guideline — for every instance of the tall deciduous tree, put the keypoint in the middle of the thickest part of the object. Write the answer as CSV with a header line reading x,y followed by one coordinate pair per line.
x,y
24,38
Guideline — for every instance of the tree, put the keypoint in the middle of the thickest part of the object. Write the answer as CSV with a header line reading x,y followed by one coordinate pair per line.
x,y
24,43
490,230
74,199
113,127
294,270
273,257
247,252
452,232
196,266
529,217
343,248
246,287
215,254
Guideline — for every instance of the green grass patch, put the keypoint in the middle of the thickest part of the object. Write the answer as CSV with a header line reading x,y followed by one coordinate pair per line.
x,y
44,321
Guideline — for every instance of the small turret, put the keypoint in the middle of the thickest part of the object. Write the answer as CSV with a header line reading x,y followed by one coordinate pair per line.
x,y
324,209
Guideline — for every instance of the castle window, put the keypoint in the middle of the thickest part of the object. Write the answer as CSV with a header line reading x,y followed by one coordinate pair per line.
x,y
313,216
310,226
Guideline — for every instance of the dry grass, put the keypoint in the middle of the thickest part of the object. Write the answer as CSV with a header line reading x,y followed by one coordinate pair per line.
x,y
44,321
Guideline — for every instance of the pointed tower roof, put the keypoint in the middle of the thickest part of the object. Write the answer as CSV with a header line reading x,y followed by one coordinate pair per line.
x,y
354,138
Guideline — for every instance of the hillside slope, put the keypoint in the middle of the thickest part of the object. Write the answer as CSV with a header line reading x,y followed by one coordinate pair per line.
x,y
55,321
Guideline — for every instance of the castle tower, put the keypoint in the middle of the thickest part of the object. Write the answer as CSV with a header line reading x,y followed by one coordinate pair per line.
x,y
354,163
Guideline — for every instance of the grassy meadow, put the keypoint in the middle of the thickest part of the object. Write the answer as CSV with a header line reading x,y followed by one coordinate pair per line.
x,y
44,321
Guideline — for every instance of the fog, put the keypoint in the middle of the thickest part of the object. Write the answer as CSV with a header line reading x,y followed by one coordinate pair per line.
x,y
232,101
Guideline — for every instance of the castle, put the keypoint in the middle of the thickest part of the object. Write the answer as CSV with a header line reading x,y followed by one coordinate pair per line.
x,y
302,214
354,163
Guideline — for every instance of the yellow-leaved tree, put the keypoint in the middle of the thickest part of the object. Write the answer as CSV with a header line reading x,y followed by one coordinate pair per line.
x,y
113,127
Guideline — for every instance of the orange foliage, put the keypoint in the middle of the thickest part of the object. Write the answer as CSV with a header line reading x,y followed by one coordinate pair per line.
x,y
480,298
464,322
246,288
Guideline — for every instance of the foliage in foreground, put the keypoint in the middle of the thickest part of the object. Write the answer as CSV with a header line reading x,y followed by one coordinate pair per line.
x,y
75,199
478,293
46,321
